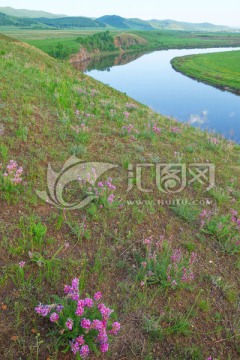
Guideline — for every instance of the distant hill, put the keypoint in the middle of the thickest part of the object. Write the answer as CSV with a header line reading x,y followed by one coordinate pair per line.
x,y
72,22
40,20
57,23
178,25
6,20
28,13
122,23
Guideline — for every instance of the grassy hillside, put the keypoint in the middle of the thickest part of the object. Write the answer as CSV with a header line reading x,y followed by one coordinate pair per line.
x,y
28,13
221,69
167,264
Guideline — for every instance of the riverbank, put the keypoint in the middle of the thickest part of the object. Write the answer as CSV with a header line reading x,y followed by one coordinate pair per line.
x,y
168,264
63,43
221,70
130,43
142,41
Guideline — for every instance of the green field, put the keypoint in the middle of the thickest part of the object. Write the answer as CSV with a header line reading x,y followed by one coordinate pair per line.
x,y
220,69
169,269
49,40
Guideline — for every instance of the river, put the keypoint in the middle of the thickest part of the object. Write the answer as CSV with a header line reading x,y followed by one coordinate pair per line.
x,y
151,80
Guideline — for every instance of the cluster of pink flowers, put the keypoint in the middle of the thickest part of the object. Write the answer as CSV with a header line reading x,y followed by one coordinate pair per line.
x,y
79,128
81,91
154,128
101,327
175,130
94,92
85,115
131,106
214,140
129,129
126,114
89,115
105,188
13,172
235,219
90,325
187,273
205,216
72,291
178,269
44,310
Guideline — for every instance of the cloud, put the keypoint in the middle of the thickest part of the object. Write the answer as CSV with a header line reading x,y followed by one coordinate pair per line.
x,y
198,119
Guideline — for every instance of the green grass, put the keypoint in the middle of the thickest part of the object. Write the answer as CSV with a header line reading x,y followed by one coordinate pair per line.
x,y
220,69
101,243
49,40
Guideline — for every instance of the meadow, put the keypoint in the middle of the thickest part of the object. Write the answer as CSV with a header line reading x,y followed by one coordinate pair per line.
x,y
50,41
221,70
167,263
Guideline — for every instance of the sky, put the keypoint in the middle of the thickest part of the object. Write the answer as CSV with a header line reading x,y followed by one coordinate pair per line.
x,y
222,12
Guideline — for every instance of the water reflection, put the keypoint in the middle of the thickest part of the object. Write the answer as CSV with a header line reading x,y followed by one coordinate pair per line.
x,y
151,80
105,63
199,119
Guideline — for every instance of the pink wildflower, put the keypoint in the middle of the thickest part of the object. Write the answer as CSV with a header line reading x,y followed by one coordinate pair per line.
x,y
97,325
79,311
84,351
74,347
104,348
106,312
54,317
80,340
69,324
86,324
111,198
97,296
43,310
88,302
115,328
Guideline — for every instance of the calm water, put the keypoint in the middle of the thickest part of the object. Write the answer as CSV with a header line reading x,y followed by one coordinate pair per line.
x,y
151,80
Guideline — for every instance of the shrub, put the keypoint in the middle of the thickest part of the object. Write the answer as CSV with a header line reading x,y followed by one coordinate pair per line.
x,y
83,325
165,266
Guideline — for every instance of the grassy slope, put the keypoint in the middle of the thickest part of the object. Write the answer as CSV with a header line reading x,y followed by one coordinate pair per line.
x,y
38,99
221,69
